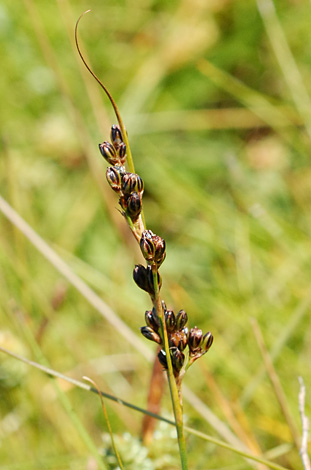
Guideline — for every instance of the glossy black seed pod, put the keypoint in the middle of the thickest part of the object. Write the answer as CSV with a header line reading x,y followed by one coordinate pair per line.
x,y
152,320
159,244
109,153
114,178
140,276
116,136
131,182
181,319
178,340
122,152
144,278
147,246
149,333
134,206
170,320
195,338
162,358
178,359
207,341
152,247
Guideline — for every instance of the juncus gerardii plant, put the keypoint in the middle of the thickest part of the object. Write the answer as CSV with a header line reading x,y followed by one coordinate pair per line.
x,y
180,347
130,188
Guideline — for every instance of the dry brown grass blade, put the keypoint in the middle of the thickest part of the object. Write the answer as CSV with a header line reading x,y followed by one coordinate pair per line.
x,y
156,390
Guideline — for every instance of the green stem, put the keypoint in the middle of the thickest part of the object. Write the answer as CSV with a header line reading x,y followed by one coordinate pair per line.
x,y
129,157
175,393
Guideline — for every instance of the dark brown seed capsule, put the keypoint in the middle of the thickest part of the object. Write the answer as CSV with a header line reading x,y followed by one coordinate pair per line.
x,y
132,182
109,153
152,247
195,338
148,333
178,340
114,178
181,319
178,359
140,275
162,358
151,320
170,321
159,244
207,341
122,152
147,246
116,136
144,279
134,206
123,202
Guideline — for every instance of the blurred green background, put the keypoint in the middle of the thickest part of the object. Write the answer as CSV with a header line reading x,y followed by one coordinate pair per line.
x,y
216,99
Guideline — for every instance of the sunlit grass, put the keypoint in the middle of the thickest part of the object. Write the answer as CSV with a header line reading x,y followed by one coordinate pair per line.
x,y
218,137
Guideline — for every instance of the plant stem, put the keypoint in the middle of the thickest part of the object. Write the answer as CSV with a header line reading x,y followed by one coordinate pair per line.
x,y
175,393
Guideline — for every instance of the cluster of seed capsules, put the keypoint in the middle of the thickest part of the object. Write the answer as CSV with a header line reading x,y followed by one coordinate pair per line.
x,y
179,337
129,186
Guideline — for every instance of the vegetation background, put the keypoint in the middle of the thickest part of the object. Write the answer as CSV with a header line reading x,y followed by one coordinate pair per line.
x,y
216,99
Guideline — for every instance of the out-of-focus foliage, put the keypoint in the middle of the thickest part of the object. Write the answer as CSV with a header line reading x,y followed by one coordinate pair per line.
x,y
215,98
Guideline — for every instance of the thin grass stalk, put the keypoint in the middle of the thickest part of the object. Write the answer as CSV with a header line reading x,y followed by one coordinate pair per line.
x,y
291,73
115,108
115,449
275,116
53,373
275,382
82,133
137,232
297,317
106,312
129,157
62,397
176,394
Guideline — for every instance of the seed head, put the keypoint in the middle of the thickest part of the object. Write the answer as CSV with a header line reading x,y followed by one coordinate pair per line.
x,y
114,178
181,320
121,151
195,338
207,341
149,333
144,278
152,320
159,244
140,275
109,153
134,206
162,358
116,136
147,246
178,359
132,183
178,340
170,320
152,247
